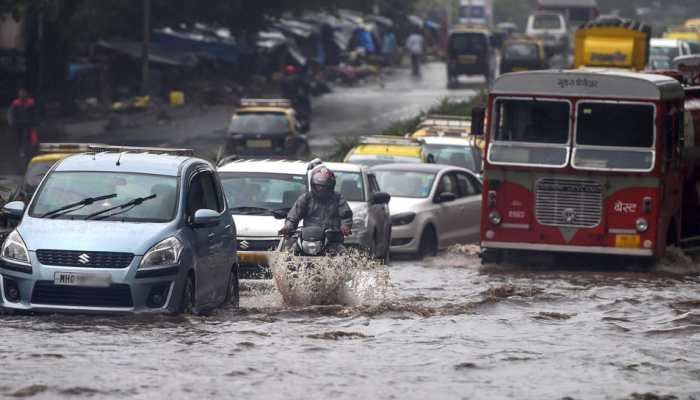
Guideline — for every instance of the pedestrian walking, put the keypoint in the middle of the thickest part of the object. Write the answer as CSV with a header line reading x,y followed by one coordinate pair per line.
x,y
22,119
414,45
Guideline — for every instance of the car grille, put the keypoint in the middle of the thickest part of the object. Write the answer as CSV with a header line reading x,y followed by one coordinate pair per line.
x,y
45,292
257,245
84,259
568,202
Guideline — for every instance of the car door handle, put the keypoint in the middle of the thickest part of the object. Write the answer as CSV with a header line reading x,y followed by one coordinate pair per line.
x,y
211,236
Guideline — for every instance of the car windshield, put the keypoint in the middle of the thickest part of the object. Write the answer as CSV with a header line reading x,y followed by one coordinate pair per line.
x,y
378,159
471,43
459,156
350,185
416,185
35,173
530,132
547,21
669,52
259,193
521,51
64,188
259,122
614,136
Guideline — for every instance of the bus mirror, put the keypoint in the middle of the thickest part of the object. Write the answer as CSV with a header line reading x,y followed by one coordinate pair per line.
x,y
478,116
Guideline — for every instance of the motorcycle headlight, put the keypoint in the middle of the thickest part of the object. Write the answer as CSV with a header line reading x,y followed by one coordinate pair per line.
x,y
163,254
14,249
311,248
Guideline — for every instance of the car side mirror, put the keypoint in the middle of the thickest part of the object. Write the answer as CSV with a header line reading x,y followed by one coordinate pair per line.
x,y
205,218
381,198
445,197
478,117
14,210
281,213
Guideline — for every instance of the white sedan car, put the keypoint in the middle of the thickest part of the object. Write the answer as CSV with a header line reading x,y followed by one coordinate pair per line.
x,y
432,206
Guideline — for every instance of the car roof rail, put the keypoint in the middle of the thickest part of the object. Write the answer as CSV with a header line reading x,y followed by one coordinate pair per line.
x,y
389,140
48,147
135,149
283,103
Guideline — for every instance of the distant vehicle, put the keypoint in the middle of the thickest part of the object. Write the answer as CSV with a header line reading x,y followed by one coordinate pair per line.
x,y
468,53
591,161
375,150
266,128
691,35
458,152
689,67
551,29
610,41
371,226
476,12
432,206
577,12
667,49
255,190
508,28
523,55
443,125
122,230
693,23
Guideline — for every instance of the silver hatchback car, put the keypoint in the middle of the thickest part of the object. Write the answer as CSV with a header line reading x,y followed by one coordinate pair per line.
x,y
122,230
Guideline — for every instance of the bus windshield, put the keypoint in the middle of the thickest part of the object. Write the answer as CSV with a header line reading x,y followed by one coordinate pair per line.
x,y
614,136
530,132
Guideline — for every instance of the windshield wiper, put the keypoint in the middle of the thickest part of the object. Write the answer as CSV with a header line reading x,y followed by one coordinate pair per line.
x,y
71,207
250,210
122,208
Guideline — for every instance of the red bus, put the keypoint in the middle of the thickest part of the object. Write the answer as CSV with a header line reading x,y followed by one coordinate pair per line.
x,y
584,161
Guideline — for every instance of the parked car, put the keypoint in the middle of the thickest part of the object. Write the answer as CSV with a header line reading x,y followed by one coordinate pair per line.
x,y
268,128
458,152
375,150
552,29
371,227
122,230
432,206
254,190
663,51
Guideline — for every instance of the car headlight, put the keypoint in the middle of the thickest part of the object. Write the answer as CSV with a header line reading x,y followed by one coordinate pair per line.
x,y
311,248
14,249
163,254
641,224
402,218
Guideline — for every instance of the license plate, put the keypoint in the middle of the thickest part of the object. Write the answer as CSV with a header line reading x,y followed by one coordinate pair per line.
x,y
77,279
627,241
259,143
253,258
519,69
467,59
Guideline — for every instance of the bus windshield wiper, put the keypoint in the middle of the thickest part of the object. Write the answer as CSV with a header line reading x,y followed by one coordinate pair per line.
x,y
79,204
250,210
121,207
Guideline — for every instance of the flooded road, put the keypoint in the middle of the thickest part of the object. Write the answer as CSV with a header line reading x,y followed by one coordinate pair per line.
x,y
448,328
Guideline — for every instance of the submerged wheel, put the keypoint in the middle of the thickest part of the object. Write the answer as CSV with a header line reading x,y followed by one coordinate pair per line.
x,y
187,301
491,256
428,244
233,290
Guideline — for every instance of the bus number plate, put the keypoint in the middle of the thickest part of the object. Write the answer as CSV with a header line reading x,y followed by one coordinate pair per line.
x,y
627,241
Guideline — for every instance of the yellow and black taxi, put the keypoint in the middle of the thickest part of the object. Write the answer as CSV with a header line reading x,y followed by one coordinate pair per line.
x,y
447,126
523,55
468,53
383,149
266,128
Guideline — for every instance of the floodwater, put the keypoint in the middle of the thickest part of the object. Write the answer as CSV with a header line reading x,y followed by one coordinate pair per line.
x,y
445,329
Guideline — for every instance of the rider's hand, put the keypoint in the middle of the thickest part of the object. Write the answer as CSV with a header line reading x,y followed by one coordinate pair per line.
x,y
345,230
283,232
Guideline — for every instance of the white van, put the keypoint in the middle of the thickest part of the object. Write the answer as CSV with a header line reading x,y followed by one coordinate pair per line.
x,y
552,29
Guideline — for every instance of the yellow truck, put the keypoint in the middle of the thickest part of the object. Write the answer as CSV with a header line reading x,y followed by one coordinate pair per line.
x,y
612,42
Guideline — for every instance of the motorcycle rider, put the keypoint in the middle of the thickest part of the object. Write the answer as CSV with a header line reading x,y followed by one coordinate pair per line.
x,y
296,89
322,207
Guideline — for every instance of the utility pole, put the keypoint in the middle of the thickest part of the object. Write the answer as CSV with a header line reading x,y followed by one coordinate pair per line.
x,y
448,13
145,68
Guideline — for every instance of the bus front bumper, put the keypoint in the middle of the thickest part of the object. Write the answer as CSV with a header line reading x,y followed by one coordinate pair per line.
x,y
567,248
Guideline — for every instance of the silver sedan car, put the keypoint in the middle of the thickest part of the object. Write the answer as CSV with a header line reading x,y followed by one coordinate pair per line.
x,y
432,206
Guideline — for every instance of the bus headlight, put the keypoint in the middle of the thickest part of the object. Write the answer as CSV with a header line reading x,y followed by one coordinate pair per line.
x,y
642,225
495,218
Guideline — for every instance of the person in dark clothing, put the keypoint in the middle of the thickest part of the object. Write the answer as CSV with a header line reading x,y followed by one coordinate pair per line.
x,y
22,119
322,207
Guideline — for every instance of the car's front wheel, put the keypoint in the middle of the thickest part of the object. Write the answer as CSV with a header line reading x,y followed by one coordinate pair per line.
x,y
428,244
187,301
233,289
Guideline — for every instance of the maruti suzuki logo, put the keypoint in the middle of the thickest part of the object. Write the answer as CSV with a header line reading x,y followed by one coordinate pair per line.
x,y
84,258
245,245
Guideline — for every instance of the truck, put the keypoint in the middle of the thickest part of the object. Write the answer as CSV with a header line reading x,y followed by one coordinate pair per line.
x,y
590,161
476,13
577,12
612,42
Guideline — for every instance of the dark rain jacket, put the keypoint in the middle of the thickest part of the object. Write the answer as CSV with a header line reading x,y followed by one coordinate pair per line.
x,y
23,112
327,212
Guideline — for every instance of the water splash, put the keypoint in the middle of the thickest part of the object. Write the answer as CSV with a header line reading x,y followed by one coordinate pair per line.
x,y
347,279
675,261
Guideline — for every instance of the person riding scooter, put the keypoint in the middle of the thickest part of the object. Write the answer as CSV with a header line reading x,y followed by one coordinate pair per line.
x,y
322,207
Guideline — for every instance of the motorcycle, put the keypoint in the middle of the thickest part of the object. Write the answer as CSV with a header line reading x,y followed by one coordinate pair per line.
x,y
313,241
